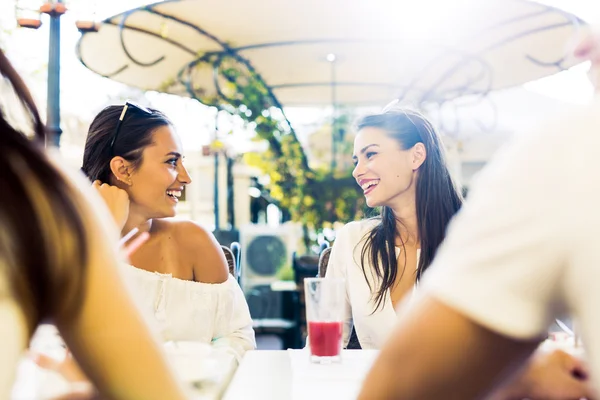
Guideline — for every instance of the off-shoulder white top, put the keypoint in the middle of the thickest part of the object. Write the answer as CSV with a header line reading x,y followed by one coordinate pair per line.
x,y
182,310
372,327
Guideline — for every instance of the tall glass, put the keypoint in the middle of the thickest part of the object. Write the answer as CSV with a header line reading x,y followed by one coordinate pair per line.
x,y
325,299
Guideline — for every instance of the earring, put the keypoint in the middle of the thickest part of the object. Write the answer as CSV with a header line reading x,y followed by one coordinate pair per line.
x,y
127,182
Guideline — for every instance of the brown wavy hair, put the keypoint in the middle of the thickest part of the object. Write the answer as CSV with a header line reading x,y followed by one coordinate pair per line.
x,y
43,251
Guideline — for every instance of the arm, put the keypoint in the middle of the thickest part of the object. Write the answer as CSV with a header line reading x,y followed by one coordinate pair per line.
x,y
108,338
420,363
336,268
206,257
548,374
233,329
233,325
13,331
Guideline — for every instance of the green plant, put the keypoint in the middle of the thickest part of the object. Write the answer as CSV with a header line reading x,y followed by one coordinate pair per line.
x,y
314,198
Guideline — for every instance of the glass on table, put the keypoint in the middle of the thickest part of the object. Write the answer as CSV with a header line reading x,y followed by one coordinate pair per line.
x,y
325,298
205,369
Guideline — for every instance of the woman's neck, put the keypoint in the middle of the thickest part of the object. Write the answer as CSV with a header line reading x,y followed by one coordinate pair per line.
x,y
137,221
407,223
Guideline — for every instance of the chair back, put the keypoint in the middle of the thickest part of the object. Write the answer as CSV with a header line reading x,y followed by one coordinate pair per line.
x,y
323,246
230,257
237,252
324,261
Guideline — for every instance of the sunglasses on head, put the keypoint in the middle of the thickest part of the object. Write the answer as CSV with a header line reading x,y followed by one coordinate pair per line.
x,y
392,105
127,106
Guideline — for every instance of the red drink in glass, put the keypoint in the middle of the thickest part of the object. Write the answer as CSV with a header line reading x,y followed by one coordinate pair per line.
x,y
325,338
325,305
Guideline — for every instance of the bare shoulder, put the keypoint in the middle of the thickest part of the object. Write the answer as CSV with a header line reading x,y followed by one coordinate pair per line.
x,y
190,232
198,245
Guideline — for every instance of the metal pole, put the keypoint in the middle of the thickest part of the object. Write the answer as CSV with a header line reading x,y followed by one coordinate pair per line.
x,y
230,193
331,59
53,100
216,186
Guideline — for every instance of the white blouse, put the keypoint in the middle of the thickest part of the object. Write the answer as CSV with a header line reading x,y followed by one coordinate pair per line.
x,y
183,310
372,328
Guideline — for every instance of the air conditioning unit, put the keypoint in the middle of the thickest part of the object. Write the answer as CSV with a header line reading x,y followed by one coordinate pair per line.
x,y
265,251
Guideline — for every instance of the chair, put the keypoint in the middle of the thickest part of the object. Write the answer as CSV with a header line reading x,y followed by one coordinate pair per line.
x,y
353,343
289,326
323,246
237,251
304,267
324,261
286,327
282,300
230,257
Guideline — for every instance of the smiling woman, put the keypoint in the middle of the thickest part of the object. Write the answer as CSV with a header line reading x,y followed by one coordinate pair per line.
x,y
180,275
400,166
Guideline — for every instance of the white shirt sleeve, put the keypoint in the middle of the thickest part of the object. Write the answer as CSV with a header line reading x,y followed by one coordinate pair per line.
x,y
503,258
233,327
339,258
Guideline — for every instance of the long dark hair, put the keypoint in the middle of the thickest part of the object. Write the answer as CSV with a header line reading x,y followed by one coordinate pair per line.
x,y
43,243
135,134
437,200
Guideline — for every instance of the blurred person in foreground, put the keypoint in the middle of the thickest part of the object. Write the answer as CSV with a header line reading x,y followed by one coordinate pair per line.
x,y
522,251
58,262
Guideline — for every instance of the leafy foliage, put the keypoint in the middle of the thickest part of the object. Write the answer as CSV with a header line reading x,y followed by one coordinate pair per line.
x,y
314,198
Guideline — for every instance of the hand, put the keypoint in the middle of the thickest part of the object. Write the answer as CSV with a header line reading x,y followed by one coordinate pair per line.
x,y
129,245
550,375
117,201
79,394
67,368
80,387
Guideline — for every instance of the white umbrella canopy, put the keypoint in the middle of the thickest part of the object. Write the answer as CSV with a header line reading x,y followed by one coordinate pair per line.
x,y
419,50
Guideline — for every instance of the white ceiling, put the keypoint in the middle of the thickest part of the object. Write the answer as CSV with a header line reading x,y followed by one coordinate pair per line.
x,y
383,48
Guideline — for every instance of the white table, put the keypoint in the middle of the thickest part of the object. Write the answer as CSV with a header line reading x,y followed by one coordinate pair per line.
x,y
287,375
206,370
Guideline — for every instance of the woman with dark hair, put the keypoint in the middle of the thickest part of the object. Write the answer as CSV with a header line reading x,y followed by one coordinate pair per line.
x,y
180,275
58,262
401,168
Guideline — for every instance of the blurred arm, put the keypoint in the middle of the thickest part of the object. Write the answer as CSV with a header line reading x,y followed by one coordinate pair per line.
x,y
549,374
109,338
438,353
